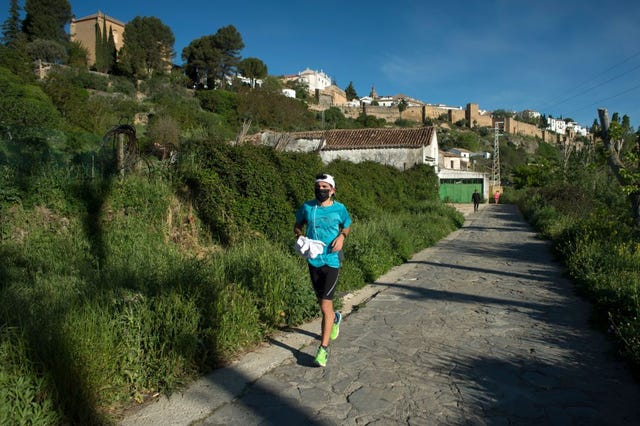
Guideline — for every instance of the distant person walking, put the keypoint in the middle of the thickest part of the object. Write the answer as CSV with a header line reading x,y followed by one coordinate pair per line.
x,y
475,197
327,224
496,197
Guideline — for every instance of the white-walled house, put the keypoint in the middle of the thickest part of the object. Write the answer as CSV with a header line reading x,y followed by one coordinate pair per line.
x,y
400,148
449,160
556,125
313,79
366,100
465,156
386,101
457,182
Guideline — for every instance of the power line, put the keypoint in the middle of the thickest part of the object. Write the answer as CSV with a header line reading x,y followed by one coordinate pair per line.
x,y
554,100
594,87
610,97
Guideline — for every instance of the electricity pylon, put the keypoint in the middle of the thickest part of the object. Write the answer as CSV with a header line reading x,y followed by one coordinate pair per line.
x,y
495,169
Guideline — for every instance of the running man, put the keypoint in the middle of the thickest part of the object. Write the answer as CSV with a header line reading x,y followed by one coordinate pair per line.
x,y
326,220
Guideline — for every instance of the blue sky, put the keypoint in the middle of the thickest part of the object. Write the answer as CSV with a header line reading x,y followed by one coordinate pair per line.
x,y
563,58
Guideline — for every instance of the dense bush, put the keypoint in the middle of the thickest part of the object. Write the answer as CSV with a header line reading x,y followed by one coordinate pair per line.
x,y
126,287
592,233
221,102
24,106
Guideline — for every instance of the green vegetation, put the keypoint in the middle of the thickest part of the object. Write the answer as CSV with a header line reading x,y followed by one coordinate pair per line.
x,y
114,289
577,204
210,59
116,286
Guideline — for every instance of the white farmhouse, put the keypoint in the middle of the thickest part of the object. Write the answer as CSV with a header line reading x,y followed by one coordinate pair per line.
x,y
400,148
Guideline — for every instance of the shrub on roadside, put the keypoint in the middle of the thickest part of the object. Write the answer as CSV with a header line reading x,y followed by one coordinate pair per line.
x,y
115,307
602,256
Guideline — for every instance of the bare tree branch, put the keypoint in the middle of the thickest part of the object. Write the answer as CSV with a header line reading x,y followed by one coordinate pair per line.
x,y
611,146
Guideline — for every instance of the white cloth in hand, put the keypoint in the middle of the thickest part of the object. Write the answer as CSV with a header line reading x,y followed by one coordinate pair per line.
x,y
309,248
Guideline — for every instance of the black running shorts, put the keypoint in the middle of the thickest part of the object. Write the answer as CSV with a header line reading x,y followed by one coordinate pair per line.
x,y
324,280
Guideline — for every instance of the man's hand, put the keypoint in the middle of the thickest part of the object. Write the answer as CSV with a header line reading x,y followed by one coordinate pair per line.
x,y
338,242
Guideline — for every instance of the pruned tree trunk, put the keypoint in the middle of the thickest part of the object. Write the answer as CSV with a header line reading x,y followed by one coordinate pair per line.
x,y
567,150
246,125
613,148
120,154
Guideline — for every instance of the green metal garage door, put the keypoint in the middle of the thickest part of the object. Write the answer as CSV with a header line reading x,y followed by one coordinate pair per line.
x,y
459,190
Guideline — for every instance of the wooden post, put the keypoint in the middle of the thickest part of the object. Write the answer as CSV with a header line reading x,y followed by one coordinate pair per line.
x,y
120,154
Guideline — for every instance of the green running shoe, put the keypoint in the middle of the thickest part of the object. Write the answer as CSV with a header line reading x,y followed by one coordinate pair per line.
x,y
335,330
321,357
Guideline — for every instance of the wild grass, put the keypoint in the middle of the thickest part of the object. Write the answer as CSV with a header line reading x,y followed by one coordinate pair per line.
x,y
602,254
112,290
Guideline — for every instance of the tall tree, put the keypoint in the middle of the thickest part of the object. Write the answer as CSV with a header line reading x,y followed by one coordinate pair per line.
x,y
46,19
402,106
105,48
78,55
12,35
253,68
214,56
47,51
111,51
350,91
201,59
99,62
230,43
148,47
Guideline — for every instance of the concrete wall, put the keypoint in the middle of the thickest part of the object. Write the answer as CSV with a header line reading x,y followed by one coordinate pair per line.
x,y
449,162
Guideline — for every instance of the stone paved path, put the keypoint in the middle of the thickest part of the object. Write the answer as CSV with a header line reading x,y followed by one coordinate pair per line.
x,y
482,329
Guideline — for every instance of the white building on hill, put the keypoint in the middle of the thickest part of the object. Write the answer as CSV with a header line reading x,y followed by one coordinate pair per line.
x,y
314,80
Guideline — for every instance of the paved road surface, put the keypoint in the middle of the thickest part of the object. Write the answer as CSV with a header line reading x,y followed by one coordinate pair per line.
x,y
482,329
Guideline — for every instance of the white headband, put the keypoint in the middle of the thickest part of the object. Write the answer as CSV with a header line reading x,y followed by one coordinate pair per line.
x,y
328,179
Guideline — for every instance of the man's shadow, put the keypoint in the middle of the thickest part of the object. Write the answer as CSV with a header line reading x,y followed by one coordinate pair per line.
x,y
302,358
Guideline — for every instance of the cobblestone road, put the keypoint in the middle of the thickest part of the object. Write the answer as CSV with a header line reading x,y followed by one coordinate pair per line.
x,y
481,329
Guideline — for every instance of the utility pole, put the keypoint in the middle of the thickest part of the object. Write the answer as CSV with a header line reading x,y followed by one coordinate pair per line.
x,y
495,169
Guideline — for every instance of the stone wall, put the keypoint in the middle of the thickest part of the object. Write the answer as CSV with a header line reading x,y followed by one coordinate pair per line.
x,y
400,158
391,114
456,115
516,127
471,113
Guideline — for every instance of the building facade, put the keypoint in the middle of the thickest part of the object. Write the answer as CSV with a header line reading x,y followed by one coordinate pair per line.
x,y
83,30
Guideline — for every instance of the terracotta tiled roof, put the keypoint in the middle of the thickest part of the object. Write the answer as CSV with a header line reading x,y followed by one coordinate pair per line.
x,y
379,138
370,138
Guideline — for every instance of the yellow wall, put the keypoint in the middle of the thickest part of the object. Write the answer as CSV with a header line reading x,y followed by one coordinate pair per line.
x,y
84,31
